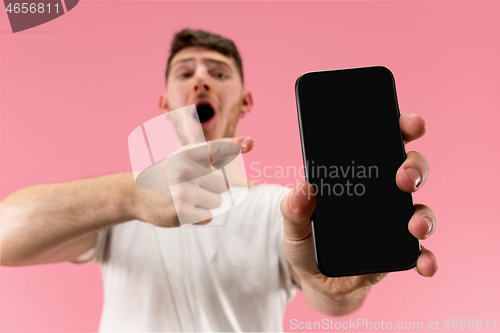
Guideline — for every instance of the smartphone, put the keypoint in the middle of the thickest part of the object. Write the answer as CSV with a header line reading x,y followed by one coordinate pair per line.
x,y
352,147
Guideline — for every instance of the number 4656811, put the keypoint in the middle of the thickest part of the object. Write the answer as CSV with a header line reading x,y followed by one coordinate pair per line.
x,y
470,324
32,8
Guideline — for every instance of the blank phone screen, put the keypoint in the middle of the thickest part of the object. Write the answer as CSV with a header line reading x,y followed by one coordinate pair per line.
x,y
352,148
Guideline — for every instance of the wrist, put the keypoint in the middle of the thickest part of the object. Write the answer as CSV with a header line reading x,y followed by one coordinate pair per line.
x,y
127,202
354,297
335,301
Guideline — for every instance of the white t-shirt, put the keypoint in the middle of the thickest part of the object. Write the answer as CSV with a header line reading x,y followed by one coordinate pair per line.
x,y
229,278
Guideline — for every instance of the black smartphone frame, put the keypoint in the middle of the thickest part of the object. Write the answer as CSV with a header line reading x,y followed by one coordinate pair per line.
x,y
326,263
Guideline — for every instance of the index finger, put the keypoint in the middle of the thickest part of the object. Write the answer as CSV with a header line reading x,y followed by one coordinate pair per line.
x,y
221,148
225,150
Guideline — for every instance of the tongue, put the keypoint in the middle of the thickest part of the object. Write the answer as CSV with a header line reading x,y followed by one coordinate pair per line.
x,y
205,112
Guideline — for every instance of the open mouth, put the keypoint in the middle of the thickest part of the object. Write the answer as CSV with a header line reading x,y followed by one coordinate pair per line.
x,y
205,112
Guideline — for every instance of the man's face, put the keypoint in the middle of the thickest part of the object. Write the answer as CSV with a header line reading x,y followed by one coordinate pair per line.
x,y
211,81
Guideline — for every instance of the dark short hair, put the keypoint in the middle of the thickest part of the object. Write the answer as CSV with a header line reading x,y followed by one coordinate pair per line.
x,y
190,38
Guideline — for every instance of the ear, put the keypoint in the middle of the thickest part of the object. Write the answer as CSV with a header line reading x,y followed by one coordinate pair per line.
x,y
246,101
163,104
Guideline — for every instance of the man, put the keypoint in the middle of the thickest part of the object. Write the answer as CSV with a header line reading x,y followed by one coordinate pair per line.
x,y
160,277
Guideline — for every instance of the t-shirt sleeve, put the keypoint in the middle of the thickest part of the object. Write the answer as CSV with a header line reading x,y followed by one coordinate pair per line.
x,y
96,253
100,246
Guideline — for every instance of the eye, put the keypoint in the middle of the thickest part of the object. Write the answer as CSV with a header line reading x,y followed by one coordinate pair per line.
x,y
220,75
184,75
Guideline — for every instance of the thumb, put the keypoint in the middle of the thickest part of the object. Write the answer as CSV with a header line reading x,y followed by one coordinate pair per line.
x,y
297,207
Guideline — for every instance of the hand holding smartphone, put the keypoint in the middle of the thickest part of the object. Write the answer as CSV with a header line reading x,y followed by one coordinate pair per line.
x,y
352,148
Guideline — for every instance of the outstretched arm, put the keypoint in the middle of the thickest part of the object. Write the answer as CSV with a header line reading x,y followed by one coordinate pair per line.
x,y
58,222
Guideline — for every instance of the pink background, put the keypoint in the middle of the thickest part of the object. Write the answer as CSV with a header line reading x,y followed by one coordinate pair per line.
x,y
74,88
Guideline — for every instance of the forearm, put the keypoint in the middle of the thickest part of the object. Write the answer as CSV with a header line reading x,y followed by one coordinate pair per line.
x,y
326,303
38,219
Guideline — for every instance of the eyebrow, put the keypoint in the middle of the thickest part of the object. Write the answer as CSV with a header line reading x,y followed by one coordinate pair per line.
x,y
218,62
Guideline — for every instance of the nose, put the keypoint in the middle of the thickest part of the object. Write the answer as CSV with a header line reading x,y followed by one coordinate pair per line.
x,y
201,83
201,86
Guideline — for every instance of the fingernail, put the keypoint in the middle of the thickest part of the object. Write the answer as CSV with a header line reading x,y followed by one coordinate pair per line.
x,y
414,175
245,143
429,224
